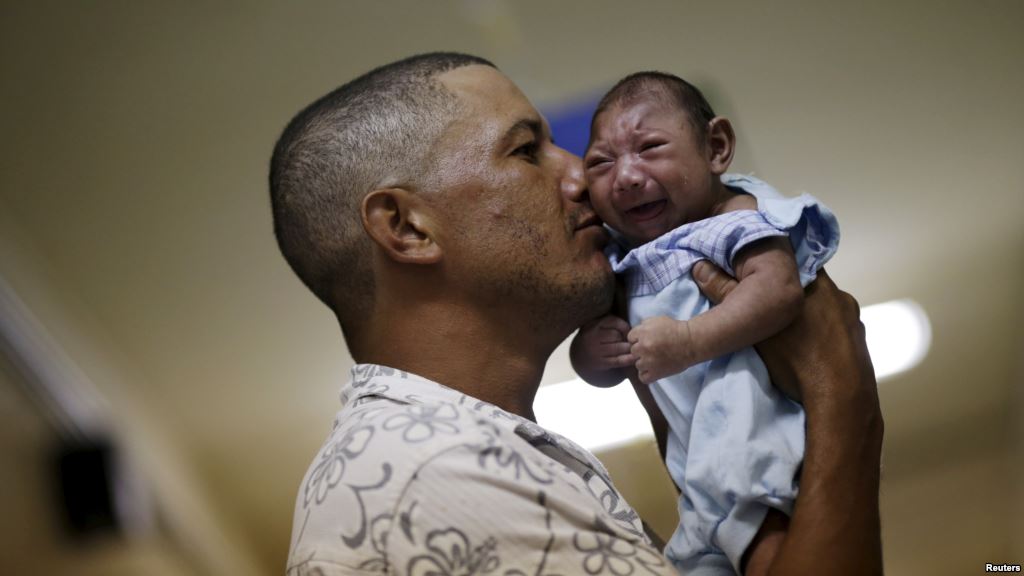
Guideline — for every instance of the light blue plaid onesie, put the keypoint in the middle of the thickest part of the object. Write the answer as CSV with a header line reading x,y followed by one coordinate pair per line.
x,y
735,444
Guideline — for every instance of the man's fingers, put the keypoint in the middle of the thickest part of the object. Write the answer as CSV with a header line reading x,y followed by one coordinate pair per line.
x,y
614,323
615,349
612,335
714,283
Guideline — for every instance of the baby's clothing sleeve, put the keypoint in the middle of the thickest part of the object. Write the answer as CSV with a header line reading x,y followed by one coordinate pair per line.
x,y
812,228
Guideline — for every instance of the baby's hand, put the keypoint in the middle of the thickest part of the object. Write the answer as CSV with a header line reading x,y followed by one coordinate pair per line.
x,y
601,346
662,347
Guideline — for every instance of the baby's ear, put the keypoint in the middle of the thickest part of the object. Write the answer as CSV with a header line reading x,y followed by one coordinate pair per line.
x,y
721,144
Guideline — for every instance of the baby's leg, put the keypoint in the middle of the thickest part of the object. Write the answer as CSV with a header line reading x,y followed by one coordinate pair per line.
x,y
746,446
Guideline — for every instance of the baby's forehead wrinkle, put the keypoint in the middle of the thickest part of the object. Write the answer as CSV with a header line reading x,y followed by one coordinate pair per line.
x,y
596,145
624,130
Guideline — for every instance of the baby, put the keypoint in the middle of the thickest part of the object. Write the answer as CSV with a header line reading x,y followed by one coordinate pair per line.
x,y
656,166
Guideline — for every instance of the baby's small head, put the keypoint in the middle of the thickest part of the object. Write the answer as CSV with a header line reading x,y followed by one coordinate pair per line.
x,y
656,153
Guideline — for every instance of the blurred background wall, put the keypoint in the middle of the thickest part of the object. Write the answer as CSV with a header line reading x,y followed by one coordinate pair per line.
x,y
138,265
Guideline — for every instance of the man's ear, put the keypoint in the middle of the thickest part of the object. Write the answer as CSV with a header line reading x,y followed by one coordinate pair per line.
x,y
398,222
721,144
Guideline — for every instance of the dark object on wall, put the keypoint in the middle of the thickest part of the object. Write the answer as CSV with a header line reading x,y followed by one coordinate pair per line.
x,y
570,123
86,484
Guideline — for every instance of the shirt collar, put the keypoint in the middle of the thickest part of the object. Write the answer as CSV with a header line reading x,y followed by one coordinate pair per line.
x,y
375,380
409,388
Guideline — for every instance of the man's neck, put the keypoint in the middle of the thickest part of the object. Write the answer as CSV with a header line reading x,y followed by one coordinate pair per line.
x,y
462,350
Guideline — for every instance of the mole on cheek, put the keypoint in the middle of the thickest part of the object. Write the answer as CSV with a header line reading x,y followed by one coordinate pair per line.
x,y
497,210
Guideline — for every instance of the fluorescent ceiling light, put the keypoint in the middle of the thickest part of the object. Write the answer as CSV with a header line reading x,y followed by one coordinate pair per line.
x,y
596,418
898,335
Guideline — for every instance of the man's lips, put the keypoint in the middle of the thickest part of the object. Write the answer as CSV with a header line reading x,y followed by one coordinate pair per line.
x,y
586,220
647,211
588,225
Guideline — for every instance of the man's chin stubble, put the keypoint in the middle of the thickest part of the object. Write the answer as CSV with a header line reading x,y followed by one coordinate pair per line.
x,y
571,306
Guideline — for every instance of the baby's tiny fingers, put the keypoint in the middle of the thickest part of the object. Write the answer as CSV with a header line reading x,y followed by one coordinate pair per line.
x,y
645,377
623,360
636,350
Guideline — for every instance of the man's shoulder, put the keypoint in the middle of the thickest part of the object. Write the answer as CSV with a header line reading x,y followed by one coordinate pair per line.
x,y
358,478
384,436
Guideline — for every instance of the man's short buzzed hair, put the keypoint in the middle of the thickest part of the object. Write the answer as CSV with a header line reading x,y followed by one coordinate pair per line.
x,y
671,89
375,131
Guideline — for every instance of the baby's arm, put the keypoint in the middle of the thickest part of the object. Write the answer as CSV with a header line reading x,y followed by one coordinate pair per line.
x,y
767,298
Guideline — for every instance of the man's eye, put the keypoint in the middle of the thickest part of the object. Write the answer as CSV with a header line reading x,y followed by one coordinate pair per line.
x,y
528,151
594,163
651,146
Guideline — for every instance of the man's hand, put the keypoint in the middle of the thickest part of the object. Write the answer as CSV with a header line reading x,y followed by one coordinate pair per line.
x,y
822,358
600,353
662,347
825,342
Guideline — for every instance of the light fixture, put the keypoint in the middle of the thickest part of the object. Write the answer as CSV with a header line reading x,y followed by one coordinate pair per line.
x,y
898,335
596,418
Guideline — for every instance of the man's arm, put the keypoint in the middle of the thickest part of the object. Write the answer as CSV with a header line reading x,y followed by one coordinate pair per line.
x,y
822,358
599,352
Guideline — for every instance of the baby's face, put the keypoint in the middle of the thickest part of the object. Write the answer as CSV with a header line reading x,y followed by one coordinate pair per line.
x,y
647,170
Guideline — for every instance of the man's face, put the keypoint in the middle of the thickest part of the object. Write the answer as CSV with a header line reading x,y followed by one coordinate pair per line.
x,y
518,224
647,170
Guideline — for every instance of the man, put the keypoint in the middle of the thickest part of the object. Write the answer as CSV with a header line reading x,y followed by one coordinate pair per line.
x,y
427,206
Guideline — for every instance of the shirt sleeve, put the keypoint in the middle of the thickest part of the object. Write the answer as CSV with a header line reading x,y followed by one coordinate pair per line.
x,y
489,510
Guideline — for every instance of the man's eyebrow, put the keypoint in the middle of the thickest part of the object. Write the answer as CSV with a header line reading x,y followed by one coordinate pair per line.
x,y
531,125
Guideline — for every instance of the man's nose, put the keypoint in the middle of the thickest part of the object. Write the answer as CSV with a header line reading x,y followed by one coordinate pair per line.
x,y
574,184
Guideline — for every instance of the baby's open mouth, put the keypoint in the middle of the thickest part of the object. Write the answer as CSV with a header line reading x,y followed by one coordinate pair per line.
x,y
646,211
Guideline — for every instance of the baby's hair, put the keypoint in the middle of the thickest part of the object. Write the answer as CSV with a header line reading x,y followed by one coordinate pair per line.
x,y
671,89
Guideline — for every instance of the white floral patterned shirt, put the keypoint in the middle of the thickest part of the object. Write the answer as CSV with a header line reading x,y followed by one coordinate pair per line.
x,y
417,478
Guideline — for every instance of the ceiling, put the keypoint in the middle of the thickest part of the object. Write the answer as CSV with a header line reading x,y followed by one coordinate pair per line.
x,y
135,224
